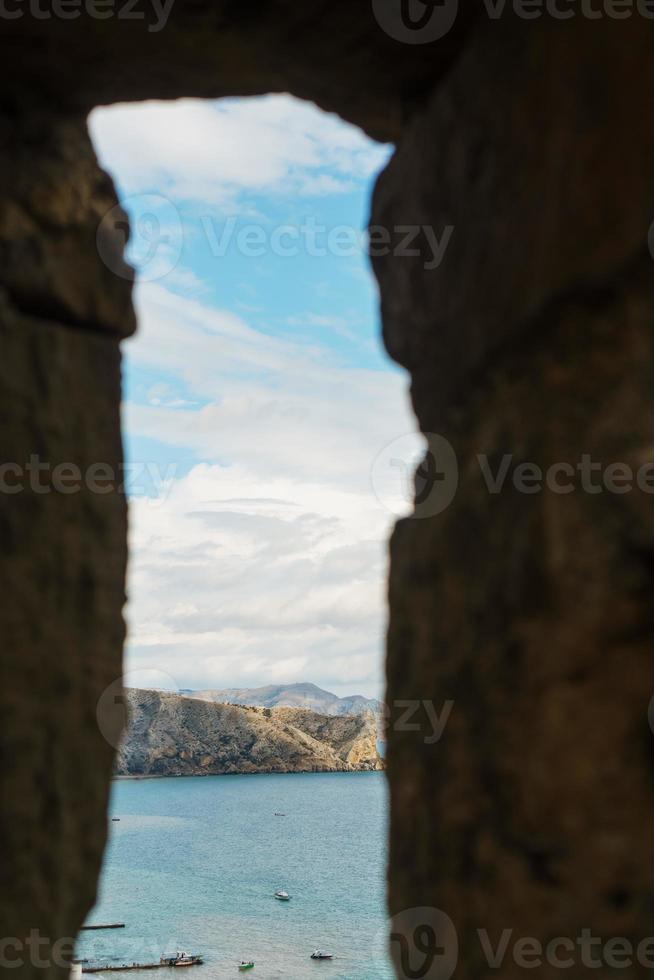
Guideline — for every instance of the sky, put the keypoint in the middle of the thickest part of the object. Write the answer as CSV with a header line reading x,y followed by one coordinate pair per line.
x,y
261,415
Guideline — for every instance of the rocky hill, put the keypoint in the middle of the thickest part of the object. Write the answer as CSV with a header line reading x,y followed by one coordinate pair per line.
x,y
172,735
307,696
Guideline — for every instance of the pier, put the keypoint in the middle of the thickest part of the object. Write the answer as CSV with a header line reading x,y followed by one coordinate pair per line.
x,y
167,963
109,925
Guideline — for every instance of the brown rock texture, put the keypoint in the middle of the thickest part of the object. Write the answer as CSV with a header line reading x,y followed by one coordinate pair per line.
x,y
169,735
335,54
532,140
63,563
531,611
62,539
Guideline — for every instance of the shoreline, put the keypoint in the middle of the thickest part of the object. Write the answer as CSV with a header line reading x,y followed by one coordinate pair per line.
x,y
267,772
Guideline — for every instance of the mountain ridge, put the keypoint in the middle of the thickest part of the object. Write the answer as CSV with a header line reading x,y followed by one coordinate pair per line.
x,y
298,695
175,735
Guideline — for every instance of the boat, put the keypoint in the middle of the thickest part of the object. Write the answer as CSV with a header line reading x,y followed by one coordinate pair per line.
x,y
319,955
246,965
282,896
181,959
184,959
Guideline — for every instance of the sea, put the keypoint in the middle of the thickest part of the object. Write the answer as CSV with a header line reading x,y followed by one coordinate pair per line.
x,y
193,863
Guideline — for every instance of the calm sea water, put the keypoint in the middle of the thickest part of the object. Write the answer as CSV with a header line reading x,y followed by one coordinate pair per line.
x,y
194,862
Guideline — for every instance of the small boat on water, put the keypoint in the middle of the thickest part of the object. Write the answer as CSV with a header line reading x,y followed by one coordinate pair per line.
x,y
318,954
181,959
282,896
246,965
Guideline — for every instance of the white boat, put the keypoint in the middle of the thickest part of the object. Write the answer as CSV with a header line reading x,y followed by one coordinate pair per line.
x,y
181,959
318,954
282,896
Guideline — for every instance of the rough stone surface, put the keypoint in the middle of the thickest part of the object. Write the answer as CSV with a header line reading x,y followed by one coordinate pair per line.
x,y
533,151
51,214
169,735
533,337
63,558
530,611
332,52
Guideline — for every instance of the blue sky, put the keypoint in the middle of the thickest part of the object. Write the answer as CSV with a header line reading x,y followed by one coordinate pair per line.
x,y
257,395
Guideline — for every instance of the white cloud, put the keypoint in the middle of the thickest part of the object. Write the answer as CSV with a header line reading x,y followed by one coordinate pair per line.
x,y
213,151
268,560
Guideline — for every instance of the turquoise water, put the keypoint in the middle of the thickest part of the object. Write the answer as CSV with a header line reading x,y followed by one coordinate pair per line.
x,y
194,862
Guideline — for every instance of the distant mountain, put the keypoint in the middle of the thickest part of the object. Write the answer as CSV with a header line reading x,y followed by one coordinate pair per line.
x,y
307,696
172,735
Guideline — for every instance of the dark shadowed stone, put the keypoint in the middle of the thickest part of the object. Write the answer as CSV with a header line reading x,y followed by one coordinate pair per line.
x,y
334,53
534,153
532,612
63,561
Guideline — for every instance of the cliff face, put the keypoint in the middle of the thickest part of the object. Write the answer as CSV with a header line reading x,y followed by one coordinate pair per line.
x,y
170,735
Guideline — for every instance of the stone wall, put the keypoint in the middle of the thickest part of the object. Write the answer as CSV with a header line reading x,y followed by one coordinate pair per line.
x,y
531,612
62,544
